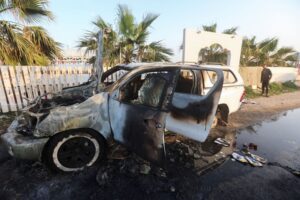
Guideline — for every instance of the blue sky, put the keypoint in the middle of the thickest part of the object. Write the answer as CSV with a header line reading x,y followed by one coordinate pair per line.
x,y
262,18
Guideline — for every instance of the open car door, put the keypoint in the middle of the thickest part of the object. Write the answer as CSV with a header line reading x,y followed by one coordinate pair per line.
x,y
138,110
192,112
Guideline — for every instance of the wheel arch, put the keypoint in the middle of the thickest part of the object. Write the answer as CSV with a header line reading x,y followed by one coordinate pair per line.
x,y
88,130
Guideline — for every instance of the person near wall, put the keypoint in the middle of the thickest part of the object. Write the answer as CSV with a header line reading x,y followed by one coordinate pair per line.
x,y
266,76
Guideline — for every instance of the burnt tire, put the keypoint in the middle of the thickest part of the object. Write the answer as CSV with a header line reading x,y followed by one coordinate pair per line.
x,y
74,150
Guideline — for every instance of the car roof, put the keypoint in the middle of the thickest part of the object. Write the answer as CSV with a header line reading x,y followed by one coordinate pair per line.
x,y
131,66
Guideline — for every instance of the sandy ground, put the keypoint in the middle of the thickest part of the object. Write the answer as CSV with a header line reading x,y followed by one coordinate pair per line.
x,y
264,108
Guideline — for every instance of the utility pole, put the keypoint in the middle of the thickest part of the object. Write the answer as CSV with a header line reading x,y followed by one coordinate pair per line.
x,y
98,66
99,59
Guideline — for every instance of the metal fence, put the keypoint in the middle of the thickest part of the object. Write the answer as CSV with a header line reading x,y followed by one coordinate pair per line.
x,y
22,83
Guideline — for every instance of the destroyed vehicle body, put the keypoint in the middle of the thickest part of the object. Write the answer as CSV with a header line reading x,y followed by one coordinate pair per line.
x,y
232,95
133,110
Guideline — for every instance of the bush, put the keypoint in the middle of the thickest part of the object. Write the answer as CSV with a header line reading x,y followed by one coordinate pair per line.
x,y
291,85
250,93
274,89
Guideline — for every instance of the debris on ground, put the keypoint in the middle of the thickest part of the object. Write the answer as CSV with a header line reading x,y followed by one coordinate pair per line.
x,y
248,101
239,157
252,146
222,141
145,169
258,158
247,157
253,162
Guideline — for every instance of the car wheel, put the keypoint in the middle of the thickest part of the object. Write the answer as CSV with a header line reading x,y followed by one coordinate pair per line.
x,y
74,150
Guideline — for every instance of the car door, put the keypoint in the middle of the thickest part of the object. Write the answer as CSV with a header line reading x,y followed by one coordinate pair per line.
x,y
192,111
138,110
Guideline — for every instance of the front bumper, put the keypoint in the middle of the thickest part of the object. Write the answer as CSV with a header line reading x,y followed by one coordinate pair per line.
x,y
23,147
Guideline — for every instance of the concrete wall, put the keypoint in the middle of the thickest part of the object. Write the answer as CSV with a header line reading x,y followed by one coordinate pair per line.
x,y
194,41
251,75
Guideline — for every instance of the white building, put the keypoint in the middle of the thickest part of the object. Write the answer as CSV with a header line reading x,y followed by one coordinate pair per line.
x,y
73,56
194,40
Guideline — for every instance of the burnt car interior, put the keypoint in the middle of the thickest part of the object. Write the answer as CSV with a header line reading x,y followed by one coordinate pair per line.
x,y
190,82
145,89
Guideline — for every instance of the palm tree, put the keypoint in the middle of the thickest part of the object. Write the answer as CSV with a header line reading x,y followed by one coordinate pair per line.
x,y
111,44
210,28
215,53
250,52
231,31
213,28
129,42
20,44
266,52
154,51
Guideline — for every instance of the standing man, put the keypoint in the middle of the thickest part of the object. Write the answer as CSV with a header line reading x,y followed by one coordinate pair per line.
x,y
266,75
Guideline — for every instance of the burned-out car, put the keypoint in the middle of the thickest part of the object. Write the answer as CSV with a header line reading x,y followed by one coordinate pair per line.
x,y
133,107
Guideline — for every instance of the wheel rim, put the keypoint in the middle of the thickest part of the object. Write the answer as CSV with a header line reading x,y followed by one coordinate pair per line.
x,y
76,152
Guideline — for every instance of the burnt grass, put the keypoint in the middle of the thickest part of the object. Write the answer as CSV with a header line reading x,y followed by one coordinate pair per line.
x,y
123,175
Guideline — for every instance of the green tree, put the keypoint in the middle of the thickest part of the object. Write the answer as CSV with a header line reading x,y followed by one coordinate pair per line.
x,y
111,43
22,44
267,53
250,52
213,28
128,42
210,28
215,53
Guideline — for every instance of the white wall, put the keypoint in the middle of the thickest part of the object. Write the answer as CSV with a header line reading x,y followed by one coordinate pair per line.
x,y
194,41
252,75
283,74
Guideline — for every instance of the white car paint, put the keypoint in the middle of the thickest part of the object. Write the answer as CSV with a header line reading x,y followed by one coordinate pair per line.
x,y
232,93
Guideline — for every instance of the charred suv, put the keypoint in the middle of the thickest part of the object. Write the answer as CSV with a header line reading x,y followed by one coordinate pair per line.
x,y
69,131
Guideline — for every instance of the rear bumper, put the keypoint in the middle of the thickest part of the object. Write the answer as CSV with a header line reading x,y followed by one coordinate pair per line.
x,y
23,147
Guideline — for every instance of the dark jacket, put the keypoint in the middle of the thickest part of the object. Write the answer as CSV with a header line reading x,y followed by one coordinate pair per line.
x,y
266,75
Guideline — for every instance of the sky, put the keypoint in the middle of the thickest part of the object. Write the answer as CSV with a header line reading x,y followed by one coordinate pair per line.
x,y
261,18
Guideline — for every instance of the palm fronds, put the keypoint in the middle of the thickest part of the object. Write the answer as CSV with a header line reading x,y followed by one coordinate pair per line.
x,y
266,52
26,45
128,42
210,28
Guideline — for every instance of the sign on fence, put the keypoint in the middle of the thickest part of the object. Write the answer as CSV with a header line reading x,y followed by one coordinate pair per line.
x,y
22,83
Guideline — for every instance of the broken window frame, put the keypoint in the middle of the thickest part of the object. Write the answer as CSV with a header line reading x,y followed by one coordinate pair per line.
x,y
181,76
230,73
113,70
166,95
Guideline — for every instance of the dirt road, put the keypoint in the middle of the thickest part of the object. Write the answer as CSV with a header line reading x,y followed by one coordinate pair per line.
x,y
264,108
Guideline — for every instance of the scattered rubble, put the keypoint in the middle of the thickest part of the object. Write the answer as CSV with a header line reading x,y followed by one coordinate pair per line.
x,y
248,101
